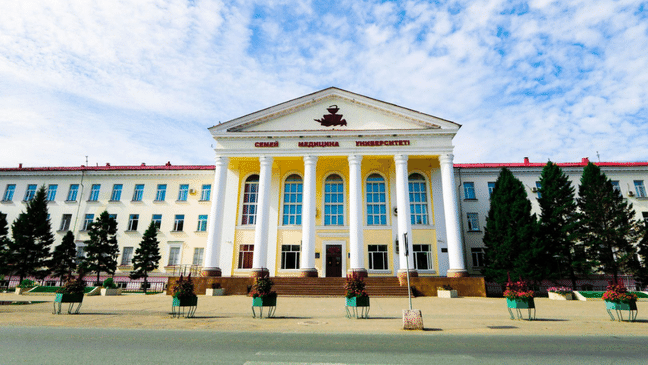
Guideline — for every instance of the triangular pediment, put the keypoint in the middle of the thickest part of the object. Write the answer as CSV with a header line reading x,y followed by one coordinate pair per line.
x,y
331,110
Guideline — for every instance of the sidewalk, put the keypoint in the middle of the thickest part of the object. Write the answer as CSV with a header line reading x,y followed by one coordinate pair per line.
x,y
464,316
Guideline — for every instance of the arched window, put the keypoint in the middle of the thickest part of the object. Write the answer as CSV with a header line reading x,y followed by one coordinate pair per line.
x,y
376,201
333,201
250,198
292,208
418,199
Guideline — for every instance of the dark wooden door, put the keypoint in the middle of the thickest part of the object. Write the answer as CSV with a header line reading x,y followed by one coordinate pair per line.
x,y
334,261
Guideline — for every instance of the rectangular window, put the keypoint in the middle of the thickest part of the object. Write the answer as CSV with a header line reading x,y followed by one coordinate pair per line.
x,y
174,256
422,257
418,200
183,192
334,201
80,253
113,216
473,222
94,192
205,194
376,201
51,192
157,220
290,257
116,193
246,253
616,186
378,257
478,256
87,222
469,190
292,206
538,187
9,193
72,193
202,223
250,196
127,256
138,192
491,187
133,220
160,195
31,191
640,188
198,256
66,219
178,222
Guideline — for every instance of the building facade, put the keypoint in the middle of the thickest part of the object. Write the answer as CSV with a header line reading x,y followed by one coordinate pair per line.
x,y
323,185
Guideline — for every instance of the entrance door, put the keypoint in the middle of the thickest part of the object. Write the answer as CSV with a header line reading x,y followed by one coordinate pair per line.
x,y
333,261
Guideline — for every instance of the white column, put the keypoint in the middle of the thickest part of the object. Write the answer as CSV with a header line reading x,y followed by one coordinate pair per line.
x,y
308,219
262,218
453,230
404,214
356,242
214,231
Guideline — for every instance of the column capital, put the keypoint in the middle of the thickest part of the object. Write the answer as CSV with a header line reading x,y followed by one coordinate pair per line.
x,y
446,159
222,161
355,159
310,159
265,160
401,159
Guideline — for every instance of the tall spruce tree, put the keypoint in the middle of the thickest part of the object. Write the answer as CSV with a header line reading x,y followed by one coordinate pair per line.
x,y
63,261
29,251
102,249
147,256
558,224
606,224
4,245
510,234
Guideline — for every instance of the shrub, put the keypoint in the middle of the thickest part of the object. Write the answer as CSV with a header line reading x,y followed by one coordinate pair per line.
x,y
26,283
618,293
445,287
263,287
73,285
109,284
355,286
184,288
518,290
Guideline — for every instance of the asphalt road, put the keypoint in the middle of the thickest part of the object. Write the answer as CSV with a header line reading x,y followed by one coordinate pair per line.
x,y
47,345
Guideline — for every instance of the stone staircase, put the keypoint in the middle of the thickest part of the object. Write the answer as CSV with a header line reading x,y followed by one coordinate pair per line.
x,y
334,287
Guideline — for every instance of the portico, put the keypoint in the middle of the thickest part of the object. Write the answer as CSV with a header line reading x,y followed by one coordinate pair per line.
x,y
299,191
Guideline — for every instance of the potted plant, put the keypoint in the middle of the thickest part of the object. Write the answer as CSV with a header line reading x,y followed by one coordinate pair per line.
x,y
618,298
446,291
356,296
25,286
560,293
71,292
519,296
110,288
263,296
215,290
184,297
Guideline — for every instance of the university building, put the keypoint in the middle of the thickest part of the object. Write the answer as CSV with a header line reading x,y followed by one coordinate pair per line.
x,y
323,185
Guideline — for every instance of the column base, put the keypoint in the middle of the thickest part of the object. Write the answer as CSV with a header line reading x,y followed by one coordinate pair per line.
x,y
308,273
361,273
402,275
209,272
259,273
457,273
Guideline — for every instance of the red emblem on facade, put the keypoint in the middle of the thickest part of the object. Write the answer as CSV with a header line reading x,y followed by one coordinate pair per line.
x,y
332,119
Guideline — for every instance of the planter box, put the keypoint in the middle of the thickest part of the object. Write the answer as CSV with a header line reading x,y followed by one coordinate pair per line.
x,y
264,302
185,302
520,303
357,302
447,294
72,299
215,292
179,304
19,291
557,296
619,307
109,291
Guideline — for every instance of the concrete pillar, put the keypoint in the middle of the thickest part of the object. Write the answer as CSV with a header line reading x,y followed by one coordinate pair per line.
x,y
308,219
453,228
214,231
263,209
356,242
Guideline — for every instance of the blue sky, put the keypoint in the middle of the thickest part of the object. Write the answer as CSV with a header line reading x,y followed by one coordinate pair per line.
x,y
138,81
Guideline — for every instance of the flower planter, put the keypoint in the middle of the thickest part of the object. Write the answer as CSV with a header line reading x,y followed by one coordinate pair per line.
x,y
72,299
447,294
20,291
519,304
619,307
214,292
357,307
110,291
260,302
558,296
180,304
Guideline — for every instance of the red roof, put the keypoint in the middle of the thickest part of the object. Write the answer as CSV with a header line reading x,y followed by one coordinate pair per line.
x,y
527,163
108,167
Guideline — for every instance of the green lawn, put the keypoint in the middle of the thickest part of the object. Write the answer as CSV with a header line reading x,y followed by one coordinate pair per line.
x,y
599,294
53,289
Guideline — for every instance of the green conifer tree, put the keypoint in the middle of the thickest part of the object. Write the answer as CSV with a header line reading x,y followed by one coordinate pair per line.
x,y
29,251
147,255
510,235
4,245
63,261
558,224
606,224
102,248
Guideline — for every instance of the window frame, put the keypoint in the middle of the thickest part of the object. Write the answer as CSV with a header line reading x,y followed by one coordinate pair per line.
x,y
491,187
95,190
174,247
51,192
127,260
249,207
115,194
178,223
133,222
477,254
205,193
65,224
198,257
157,222
183,192
373,254
640,188
245,257
73,193
138,193
87,221
203,221
30,192
427,254
469,190
9,192
290,255
339,205
160,193
473,223
380,206
424,204
291,211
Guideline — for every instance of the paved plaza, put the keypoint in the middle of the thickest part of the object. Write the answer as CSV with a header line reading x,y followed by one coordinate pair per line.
x,y
462,316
